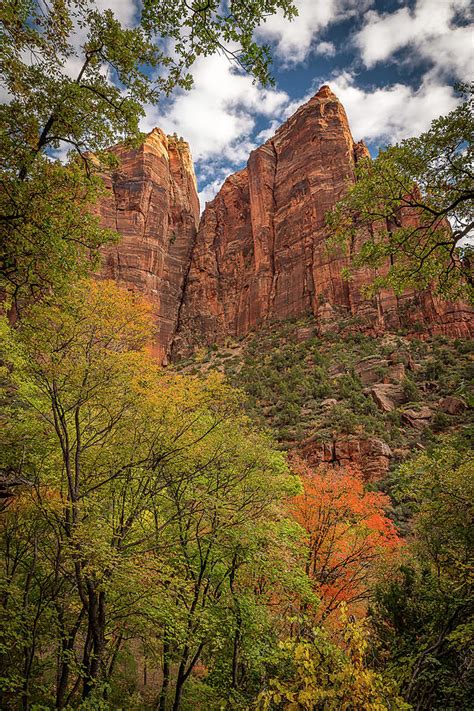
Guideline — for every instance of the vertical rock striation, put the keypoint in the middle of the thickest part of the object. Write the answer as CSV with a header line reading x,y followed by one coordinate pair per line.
x,y
153,205
261,250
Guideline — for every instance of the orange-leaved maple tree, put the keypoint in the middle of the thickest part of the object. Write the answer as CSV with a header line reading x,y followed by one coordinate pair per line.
x,y
348,533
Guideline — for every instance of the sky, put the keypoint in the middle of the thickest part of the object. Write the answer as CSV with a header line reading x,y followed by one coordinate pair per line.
x,y
392,64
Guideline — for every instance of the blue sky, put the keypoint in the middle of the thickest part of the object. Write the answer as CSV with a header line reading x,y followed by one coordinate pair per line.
x,y
392,64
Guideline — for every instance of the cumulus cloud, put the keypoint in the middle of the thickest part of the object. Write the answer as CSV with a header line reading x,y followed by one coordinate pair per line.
x,y
126,11
217,116
210,190
429,28
295,41
390,113
327,49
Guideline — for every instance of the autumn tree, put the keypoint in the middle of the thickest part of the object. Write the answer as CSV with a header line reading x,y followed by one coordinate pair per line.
x,y
313,673
143,488
414,206
347,533
77,78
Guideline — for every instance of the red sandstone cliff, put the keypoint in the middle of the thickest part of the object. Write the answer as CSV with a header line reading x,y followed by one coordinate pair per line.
x,y
153,204
261,250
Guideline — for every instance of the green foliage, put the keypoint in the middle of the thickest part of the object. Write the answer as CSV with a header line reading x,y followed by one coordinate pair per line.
x,y
77,78
404,199
423,611
153,521
150,512
314,673
410,391
292,382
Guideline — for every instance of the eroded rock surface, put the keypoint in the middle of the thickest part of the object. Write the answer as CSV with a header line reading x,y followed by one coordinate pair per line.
x,y
261,251
369,455
153,204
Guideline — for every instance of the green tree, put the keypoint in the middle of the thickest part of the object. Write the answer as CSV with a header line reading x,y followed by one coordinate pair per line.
x,y
148,492
313,672
413,205
76,77
424,610
222,522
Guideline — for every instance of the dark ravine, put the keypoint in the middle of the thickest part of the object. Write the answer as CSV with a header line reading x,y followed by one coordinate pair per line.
x,y
259,252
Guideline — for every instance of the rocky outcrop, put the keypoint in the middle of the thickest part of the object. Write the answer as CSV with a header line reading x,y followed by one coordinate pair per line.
x,y
387,396
261,251
452,405
369,455
152,203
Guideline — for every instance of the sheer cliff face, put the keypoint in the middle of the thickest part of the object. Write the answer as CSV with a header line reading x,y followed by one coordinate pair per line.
x,y
153,204
261,250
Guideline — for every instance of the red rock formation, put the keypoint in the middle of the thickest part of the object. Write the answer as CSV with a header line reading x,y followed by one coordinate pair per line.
x,y
261,251
370,455
153,204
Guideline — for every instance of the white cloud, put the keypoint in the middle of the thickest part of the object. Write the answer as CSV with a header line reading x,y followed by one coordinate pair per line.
x,y
391,113
217,116
429,29
295,40
327,49
379,116
126,11
211,189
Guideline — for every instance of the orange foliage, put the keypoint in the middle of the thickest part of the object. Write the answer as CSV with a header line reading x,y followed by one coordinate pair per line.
x,y
348,533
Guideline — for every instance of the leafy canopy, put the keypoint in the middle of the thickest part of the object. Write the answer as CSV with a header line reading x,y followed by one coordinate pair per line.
x,y
423,611
78,78
413,205
151,512
347,534
316,674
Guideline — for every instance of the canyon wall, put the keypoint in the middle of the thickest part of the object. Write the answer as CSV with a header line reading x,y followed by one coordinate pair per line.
x,y
261,250
152,203
260,253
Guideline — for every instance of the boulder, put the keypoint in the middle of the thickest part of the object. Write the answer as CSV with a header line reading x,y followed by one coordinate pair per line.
x,y
328,402
368,369
452,405
417,418
387,396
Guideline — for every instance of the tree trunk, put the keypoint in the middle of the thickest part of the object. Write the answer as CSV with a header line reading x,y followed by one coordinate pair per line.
x,y
96,620
179,684
166,678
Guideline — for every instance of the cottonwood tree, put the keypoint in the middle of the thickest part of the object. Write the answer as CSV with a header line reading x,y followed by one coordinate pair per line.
x,y
77,77
413,206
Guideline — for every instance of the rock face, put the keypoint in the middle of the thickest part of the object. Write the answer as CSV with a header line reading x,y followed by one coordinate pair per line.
x,y
369,455
261,250
153,204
